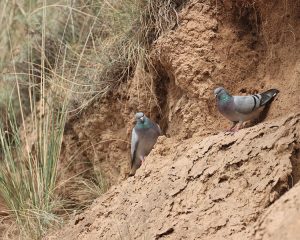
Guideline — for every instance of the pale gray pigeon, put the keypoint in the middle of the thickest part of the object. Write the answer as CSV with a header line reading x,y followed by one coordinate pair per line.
x,y
242,108
144,136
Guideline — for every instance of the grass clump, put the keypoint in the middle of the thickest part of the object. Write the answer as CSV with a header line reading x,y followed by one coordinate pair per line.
x,y
28,170
117,36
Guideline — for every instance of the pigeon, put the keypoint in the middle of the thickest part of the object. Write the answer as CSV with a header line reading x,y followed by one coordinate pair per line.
x,y
242,108
143,138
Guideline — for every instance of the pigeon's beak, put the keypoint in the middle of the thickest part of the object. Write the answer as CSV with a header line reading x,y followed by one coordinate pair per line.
x,y
142,119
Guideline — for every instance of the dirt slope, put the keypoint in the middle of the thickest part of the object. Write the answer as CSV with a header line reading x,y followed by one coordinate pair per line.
x,y
244,47
281,220
197,182
202,188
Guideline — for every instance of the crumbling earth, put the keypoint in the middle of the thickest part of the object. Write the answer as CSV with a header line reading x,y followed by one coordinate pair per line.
x,y
199,183
217,187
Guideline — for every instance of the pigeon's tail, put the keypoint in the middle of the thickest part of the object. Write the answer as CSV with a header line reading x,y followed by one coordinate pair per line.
x,y
267,96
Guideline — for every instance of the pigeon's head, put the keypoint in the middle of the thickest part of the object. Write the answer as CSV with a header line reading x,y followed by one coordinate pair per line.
x,y
219,91
140,117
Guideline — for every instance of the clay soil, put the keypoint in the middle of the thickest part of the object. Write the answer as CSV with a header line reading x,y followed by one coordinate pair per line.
x,y
199,183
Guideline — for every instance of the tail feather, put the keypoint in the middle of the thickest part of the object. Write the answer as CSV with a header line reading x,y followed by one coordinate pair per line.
x,y
267,96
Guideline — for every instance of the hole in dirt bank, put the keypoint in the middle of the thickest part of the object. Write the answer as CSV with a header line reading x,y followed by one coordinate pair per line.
x,y
162,84
167,94
247,17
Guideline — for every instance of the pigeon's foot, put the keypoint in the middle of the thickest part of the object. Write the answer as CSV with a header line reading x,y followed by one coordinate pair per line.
x,y
229,130
239,126
237,129
142,161
234,128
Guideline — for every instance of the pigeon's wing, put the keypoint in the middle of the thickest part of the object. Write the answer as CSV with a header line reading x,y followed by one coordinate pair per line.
x,y
155,127
267,96
246,104
134,145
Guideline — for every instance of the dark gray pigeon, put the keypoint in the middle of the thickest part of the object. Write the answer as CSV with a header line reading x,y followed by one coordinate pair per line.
x,y
242,108
144,136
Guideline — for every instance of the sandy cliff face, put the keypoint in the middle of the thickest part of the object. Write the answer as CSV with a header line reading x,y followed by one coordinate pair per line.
x,y
216,187
198,182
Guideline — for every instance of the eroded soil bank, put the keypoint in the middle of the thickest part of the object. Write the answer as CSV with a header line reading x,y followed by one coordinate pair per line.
x,y
218,187
199,183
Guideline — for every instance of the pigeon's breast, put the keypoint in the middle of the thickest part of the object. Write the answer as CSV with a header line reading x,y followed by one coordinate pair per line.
x,y
147,139
227,110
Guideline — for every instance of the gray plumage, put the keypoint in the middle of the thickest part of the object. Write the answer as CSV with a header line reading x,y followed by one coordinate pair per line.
x,y
242,108
144,136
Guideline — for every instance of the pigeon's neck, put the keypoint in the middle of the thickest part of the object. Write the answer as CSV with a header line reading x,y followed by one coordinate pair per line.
x,y
143,125
224,98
